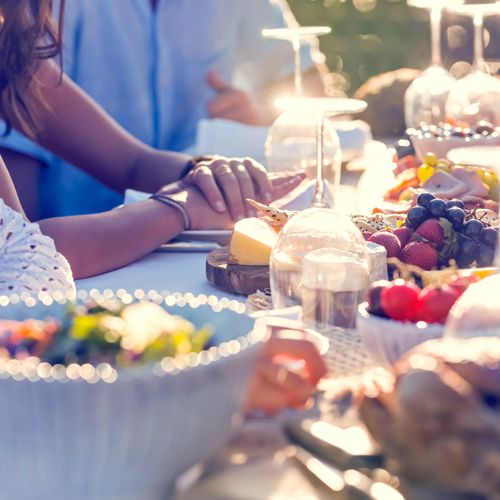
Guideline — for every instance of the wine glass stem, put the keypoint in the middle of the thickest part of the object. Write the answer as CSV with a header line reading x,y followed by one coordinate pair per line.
x,y
436,14
478,42
319,193
298,67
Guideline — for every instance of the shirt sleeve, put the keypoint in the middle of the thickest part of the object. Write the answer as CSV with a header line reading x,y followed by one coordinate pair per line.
x,y
261,61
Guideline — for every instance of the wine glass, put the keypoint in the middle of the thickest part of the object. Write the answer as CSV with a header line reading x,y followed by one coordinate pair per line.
x,y
318,110
425,98
476,97
296,35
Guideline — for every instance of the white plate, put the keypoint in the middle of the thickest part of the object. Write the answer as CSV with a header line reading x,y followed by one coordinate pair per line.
x,y
220,236
482,156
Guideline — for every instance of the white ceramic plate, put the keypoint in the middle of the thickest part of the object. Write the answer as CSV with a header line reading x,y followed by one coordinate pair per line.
x,y
220,236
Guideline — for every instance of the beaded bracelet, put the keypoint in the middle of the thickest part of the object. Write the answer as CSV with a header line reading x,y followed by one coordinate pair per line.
x,y
165,199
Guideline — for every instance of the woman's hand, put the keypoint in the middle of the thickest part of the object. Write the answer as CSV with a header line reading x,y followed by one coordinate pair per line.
x,y
227,182
274,387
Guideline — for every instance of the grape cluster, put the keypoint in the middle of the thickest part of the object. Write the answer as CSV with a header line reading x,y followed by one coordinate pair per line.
x,y
476,241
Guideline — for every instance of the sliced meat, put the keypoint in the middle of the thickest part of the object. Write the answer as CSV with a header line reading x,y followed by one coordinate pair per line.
x,y
444,185
472,180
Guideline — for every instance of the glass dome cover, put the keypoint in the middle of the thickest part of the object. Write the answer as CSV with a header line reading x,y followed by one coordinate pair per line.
x,y
310,230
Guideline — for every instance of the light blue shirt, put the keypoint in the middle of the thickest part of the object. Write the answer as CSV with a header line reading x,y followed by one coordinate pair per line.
x,y
147,68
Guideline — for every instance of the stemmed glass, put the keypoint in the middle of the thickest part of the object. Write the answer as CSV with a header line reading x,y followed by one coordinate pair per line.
x,y
296,35
321,109
425,98
476,96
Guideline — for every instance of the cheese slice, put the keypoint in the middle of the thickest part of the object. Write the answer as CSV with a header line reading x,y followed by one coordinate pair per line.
x,y
251,243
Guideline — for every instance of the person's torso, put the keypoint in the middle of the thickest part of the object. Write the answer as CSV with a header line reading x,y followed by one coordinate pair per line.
x,y
148,68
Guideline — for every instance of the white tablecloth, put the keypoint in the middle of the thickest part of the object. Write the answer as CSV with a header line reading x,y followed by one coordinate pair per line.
x,y
173,272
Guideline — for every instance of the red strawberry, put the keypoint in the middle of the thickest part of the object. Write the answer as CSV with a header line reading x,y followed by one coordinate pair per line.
x,y
418,253
436,302
404,234
461,283
432,231
399,300
388,240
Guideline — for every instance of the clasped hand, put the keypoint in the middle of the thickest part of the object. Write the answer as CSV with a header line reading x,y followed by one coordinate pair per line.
x,y
215,190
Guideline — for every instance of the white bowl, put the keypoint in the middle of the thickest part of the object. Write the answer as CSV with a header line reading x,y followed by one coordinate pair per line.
x,y
424,143
126,434
387,340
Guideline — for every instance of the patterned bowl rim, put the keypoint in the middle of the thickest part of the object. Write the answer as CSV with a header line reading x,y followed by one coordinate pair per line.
x,y
416,134
424,327
33,370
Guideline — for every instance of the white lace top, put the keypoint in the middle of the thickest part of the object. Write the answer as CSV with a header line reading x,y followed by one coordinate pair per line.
x,y
29,261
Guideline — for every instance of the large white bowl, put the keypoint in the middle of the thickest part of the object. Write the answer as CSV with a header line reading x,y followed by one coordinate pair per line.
x,y
126,434
387,340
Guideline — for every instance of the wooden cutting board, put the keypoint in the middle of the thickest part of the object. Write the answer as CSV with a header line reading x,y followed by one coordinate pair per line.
x,y
243,280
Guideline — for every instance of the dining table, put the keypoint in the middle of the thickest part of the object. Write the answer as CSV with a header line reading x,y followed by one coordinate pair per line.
x,y
258,461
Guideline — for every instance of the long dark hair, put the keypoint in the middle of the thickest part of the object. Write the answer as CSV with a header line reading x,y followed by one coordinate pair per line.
x,y
28,35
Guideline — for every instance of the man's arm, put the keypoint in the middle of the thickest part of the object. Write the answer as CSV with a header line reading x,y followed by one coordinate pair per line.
x,y
233,104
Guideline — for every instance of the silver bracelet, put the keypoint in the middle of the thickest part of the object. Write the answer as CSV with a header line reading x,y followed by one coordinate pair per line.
x,y
163,198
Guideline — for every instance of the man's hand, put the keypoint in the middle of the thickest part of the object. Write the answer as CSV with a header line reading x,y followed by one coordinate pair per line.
x,y
230,103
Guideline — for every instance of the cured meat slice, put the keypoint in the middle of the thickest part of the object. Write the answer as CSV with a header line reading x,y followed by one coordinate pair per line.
x,y
475,186
444,185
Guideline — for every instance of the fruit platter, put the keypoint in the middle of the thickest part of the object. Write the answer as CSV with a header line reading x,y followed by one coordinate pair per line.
x,y
402,313
443,137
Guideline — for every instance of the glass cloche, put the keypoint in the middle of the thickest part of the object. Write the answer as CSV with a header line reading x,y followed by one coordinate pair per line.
x,y
310,230
477,312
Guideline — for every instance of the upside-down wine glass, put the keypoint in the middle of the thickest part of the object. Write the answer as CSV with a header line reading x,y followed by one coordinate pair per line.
x,y
476,96
425,98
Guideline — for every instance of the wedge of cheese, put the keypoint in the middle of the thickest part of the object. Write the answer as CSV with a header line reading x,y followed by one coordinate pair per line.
x,y
251,243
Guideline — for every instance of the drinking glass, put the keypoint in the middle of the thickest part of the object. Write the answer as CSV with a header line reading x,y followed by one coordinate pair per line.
x,y
296,35
425,98
476,97
306,129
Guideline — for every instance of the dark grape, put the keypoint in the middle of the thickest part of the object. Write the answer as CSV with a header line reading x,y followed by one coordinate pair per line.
x,y
467,251
437,208
455,203
374,301
456,216
424,199
416,216
485,256
473,229
489,237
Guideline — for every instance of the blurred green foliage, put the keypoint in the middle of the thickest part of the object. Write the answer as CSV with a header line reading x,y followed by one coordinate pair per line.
x,y
374,36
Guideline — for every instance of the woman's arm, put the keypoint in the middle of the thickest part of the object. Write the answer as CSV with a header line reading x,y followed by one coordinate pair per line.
x,y
76,129
97,243
7,190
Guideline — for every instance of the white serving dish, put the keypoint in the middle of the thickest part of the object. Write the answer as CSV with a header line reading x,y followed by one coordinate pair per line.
x,y
426,143
387,340
126,434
